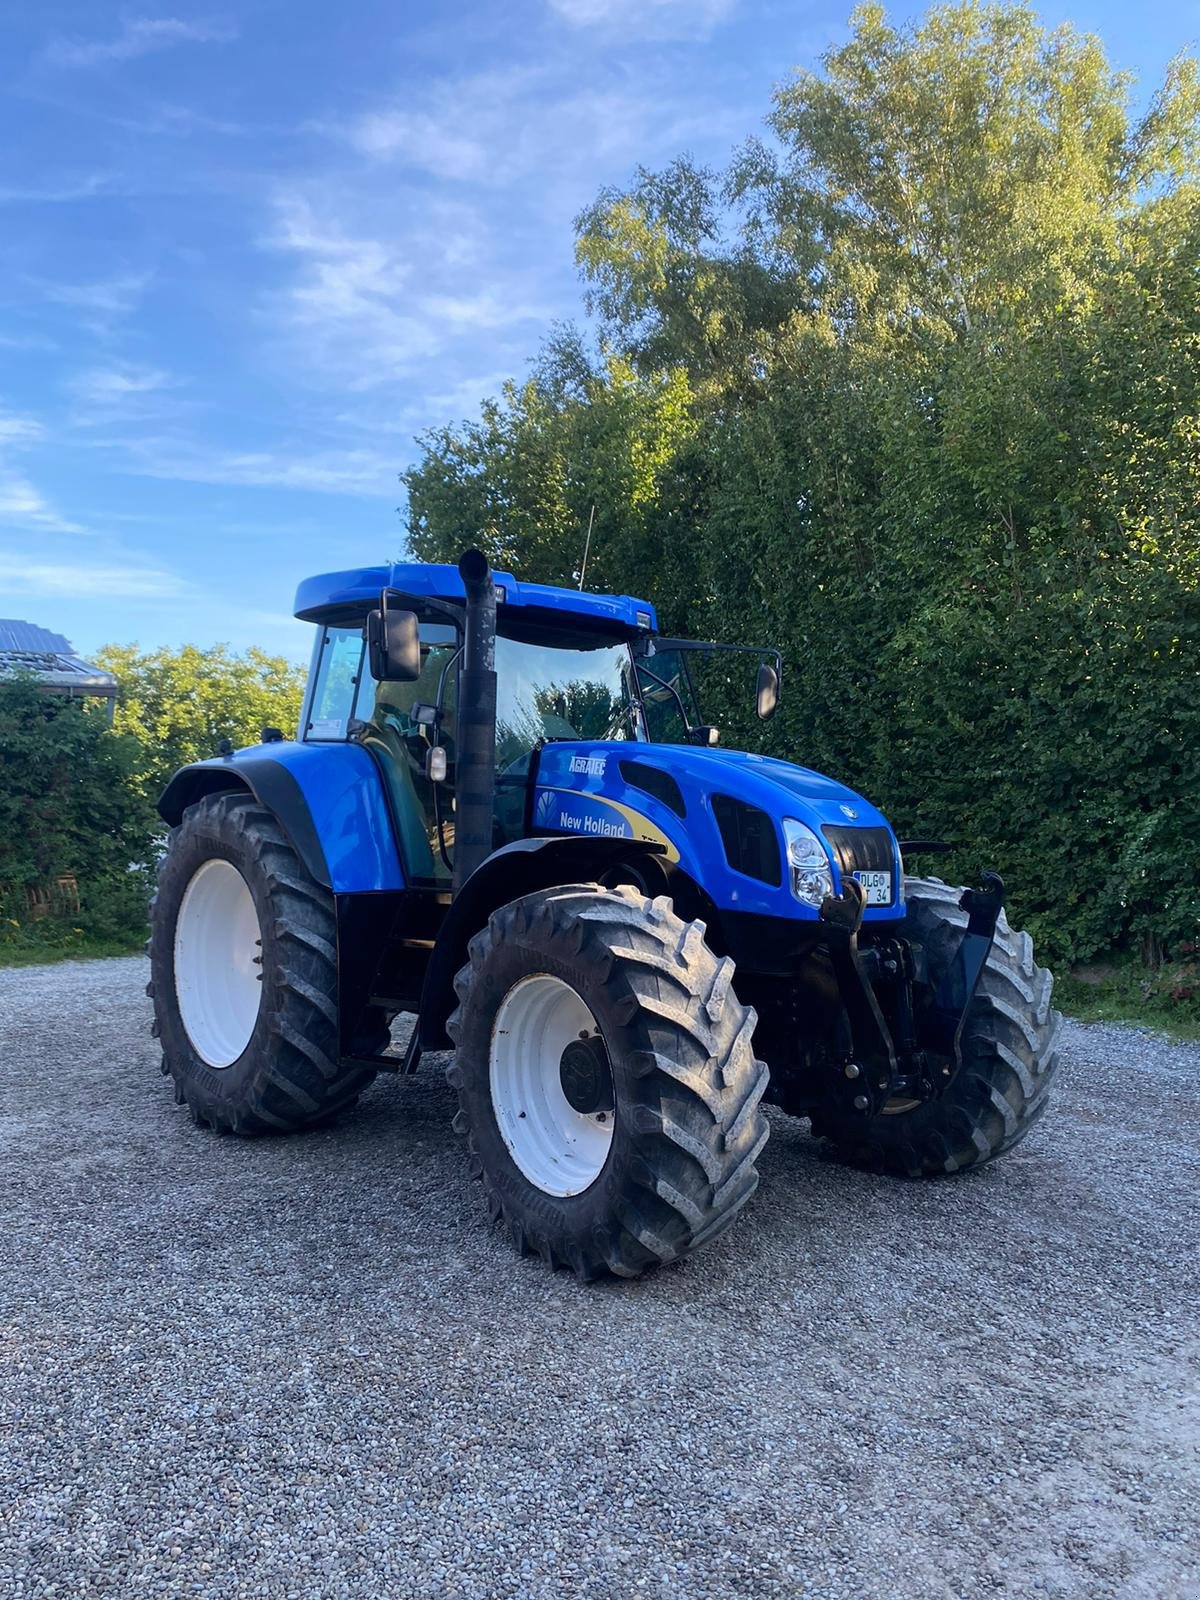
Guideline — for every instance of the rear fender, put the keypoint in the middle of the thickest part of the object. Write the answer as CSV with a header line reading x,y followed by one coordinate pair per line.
x,y
328,799
517,869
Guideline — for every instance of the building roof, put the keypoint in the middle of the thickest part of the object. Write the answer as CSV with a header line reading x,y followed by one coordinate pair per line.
x,y
22,636
24,647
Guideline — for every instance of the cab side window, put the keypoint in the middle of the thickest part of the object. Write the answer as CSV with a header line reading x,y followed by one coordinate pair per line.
x,y
666,687
339,671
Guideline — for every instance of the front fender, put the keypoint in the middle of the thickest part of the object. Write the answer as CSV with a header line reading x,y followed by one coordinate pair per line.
x,y
517,869
328,799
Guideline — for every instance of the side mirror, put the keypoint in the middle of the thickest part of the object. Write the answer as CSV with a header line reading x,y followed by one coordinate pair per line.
x,y
393,644
766,690
705,734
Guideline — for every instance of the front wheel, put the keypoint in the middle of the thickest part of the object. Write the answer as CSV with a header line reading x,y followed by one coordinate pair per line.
x,y
606,1080
1009,1056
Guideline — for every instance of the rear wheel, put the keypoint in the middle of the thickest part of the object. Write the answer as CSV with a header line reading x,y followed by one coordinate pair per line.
x,y
1009,1056
606,1080
243,958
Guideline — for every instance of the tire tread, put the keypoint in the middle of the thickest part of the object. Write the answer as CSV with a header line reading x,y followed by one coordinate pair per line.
x,y
696,1122
301,1082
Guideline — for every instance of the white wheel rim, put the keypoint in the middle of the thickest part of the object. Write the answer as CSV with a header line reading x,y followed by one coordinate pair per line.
x,y
560,1150
218,962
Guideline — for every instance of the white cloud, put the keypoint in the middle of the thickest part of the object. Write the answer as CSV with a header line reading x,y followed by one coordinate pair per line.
x,y
352,472
103,302
464,397
411,293
61,193
70,580
120,393
372,307
655,19
21,502
421,138
18,497
185,121
139,36
495,128
26,341
101,385
18,430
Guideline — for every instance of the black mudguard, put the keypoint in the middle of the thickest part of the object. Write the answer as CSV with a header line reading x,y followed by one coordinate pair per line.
x,y
270,782
956,986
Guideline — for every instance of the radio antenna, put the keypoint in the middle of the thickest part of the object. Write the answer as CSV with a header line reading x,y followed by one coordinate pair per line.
x,y
587,544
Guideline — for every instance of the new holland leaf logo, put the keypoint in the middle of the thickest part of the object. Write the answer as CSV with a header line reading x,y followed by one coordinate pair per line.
x,y
546,810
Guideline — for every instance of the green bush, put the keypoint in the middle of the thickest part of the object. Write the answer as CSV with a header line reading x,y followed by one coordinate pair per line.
x,y
70,808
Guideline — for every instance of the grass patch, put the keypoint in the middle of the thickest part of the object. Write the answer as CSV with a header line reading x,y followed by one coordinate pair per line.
x,y
1166,998
93,934
83,949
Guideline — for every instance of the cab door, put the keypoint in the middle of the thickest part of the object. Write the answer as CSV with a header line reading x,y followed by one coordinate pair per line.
x,y
398,728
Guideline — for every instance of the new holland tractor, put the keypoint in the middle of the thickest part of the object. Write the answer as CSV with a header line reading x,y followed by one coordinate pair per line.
x,y
504,812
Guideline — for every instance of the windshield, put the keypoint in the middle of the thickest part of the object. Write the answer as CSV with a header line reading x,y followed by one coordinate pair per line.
x,y
574,690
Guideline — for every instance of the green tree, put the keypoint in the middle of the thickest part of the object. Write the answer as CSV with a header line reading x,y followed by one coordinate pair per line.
x,y
584,441
912,392
180,703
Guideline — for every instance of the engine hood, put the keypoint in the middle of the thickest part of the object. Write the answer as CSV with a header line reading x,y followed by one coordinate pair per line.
x,y
668,794
775,786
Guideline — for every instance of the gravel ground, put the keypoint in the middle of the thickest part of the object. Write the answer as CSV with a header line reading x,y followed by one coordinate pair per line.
x,y
308,1367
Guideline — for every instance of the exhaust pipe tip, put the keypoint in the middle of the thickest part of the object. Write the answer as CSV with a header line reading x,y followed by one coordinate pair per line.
x,y
474,568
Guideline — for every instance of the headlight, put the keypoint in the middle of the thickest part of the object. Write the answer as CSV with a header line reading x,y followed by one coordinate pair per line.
x,y
808,863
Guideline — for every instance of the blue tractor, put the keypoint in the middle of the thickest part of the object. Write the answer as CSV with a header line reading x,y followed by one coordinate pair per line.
x,y
504,812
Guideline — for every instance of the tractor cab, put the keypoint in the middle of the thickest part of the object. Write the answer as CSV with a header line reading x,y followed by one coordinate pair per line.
x,y
571,669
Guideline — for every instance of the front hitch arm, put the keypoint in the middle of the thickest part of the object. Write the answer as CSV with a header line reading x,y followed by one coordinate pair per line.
x,y
864,1078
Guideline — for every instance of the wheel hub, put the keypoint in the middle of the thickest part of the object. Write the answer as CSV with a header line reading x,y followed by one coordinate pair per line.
x,y
586,1076
550,1082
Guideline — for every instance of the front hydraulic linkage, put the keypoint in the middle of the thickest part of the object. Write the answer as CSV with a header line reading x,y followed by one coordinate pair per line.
x,y
863,1078
871,1073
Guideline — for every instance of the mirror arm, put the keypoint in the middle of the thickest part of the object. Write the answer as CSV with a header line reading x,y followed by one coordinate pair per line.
x,y
694,645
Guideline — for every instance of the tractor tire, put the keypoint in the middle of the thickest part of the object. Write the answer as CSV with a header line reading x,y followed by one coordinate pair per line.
x,y
605,996
243,962
1009,1050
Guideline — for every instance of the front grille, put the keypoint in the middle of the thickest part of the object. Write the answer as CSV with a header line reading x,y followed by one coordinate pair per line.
x,y
859,849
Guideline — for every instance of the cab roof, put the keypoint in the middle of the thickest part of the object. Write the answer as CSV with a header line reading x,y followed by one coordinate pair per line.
x,y
343,596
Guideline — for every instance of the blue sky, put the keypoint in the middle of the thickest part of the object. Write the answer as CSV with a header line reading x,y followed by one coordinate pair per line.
x,y
246,253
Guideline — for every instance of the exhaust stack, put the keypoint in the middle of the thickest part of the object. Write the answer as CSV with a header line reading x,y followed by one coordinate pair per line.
x,y
475,779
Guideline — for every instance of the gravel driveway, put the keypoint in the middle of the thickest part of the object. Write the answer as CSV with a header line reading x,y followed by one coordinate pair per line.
x,y
308,1367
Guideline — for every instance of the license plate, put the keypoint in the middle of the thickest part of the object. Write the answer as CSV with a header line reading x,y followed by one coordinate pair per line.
x,y
878,887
